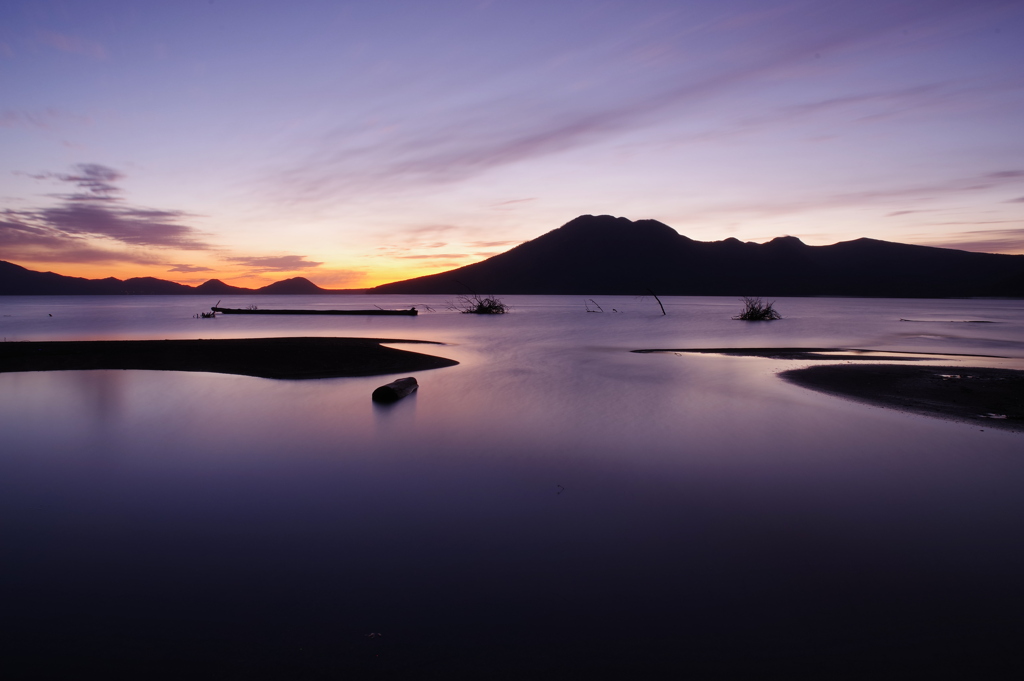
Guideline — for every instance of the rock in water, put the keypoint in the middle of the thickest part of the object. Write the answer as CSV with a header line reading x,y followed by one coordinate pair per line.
x,y
396,390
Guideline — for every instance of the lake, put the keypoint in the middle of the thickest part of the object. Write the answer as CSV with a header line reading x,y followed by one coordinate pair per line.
x,y
555,505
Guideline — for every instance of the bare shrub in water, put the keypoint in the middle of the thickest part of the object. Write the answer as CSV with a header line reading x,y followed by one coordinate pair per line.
x,y
756,310
478,305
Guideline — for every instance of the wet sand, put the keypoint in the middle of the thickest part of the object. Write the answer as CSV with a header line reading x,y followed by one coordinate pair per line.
x,y
848,354
984,396
286,358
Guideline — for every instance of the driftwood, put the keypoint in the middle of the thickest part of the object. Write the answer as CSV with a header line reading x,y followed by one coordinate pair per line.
x,y
396,390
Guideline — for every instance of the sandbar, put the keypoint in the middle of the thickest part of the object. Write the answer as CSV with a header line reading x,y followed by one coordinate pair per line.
x,y
847,354
984,396
283,358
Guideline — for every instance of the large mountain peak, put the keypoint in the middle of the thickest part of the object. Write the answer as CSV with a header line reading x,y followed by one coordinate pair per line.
x,y
612,224
604,254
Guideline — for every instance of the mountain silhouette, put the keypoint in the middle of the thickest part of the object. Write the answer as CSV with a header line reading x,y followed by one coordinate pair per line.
x,y
16,280
295,285
613,255
216,287
608,255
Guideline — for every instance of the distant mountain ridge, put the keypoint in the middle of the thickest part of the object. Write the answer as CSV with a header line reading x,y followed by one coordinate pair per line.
x,y
19,281
607,255
612,255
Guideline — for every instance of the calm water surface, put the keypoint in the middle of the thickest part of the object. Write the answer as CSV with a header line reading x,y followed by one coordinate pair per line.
x,y
554,504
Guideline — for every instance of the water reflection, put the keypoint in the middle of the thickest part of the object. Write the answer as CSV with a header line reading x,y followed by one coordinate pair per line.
x,y
709,508
102,391
391,418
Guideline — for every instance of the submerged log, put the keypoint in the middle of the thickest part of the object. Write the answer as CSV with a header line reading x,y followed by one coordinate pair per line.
x,y
396,390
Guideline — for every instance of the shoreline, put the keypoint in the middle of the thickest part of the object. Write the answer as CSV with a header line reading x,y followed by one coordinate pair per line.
x,y
279,358
818,354
977,395
988,396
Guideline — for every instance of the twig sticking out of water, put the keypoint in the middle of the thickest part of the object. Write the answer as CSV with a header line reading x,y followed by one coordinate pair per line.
x,y
663,313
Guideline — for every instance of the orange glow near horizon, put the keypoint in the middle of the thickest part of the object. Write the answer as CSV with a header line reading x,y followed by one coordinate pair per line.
x,y
175,151
325,277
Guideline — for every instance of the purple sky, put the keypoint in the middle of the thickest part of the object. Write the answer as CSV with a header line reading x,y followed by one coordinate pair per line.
x,y
358,143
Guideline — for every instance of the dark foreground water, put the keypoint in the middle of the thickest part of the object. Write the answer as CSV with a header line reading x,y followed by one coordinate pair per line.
x,y
555,506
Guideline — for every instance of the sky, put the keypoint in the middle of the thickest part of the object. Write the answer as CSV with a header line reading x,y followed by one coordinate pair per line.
x,y
356,143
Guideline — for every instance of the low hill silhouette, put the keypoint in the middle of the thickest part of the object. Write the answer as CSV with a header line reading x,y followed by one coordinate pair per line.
x,y
16,280
295,285
216,287
613,255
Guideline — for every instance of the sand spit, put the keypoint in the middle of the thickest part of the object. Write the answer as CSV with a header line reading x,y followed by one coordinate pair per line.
x,y
988,397
287,358
845,354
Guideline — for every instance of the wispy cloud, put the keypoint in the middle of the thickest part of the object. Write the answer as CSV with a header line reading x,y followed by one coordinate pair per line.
x,y
72,44
434,256
189,268
411,242
429,231
274,263
124,224
512,204
22,241
884,198
896,213
984,240
871,106
471,139
513,201
97,181
340,278
494,244
45,119
93,224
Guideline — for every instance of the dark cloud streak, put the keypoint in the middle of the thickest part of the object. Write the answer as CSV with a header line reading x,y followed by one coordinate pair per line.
x,y
93,224
98,181
22,241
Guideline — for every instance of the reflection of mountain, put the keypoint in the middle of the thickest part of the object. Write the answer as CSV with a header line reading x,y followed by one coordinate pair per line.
x,y
18,281
608,255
